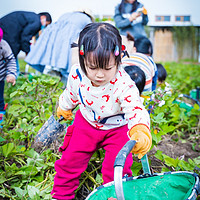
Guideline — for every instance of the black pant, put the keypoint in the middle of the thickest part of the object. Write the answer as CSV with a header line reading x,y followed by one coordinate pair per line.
x,y
1,96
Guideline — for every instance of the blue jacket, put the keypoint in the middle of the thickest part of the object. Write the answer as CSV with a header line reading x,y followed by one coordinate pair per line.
x,y
136,28
18,28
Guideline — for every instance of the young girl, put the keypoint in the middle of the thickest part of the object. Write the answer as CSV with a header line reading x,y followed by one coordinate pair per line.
x,y
7,70
143,45
110,107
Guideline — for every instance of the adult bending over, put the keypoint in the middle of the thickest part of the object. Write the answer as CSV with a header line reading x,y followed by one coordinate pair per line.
x,y
20,26
53,47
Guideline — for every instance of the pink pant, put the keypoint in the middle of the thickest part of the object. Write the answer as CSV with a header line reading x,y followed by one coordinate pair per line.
x,y
84,142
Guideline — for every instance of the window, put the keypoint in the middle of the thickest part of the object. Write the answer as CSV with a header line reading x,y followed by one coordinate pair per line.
x,y
166,18
158,18
178,18
162,18
186,18
182,18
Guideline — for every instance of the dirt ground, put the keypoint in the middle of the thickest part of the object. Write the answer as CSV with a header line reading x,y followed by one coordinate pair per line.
x,y
168,147
176,149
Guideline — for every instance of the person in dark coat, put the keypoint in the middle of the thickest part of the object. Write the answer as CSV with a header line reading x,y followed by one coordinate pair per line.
x,y
20,26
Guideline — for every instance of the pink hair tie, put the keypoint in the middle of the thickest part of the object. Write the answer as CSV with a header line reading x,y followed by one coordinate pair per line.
x,y
116,52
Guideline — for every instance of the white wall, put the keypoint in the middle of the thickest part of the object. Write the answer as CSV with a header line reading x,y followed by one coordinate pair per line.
x,y
173,8
104,7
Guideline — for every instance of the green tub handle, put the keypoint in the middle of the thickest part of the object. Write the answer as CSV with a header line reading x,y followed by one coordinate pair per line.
x,y
119,165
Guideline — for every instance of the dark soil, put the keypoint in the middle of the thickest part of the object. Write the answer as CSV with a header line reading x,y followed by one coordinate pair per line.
x,y
176,149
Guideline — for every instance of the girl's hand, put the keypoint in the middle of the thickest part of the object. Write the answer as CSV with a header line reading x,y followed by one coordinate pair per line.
x,y
141,134
133,16
11,79
67,114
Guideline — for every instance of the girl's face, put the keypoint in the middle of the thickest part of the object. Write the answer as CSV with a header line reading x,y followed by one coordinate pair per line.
x,y
100,76
130,1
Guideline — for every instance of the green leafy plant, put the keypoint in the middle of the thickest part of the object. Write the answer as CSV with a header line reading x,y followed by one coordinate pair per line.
x,y
27,174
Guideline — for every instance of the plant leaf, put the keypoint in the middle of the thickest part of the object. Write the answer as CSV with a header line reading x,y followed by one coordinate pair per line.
x,y
7,149
32,191
20,193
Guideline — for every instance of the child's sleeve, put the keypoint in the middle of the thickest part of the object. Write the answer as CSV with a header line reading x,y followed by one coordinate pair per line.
x,y
10,61
138,120
120,21
69,98
133,108
145,19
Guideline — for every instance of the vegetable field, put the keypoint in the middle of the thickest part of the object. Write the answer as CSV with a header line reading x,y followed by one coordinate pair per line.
x,y
27,172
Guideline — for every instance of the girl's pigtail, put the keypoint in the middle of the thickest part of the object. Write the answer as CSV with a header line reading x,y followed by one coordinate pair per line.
x,y
73,45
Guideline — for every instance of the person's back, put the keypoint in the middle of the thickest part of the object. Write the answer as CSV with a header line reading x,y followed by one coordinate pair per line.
x,y
53,47
143,45
20,26
143,62
14,27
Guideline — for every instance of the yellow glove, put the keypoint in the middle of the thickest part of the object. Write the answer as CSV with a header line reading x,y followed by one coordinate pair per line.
x,y
67,114
144,11
142,135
